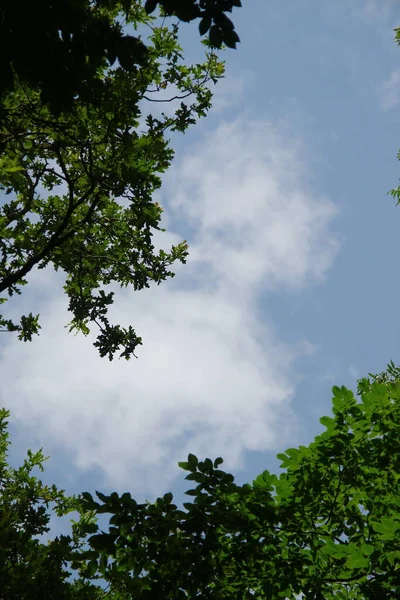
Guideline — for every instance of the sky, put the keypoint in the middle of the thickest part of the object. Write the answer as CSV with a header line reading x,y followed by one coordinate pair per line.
x,y
292,282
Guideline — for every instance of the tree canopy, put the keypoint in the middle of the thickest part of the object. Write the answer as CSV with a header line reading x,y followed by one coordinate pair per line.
x,y
326,527
61,48
77,185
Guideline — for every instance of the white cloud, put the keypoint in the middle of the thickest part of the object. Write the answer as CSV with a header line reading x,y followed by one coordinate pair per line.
x,y
212,378
253,215
390,91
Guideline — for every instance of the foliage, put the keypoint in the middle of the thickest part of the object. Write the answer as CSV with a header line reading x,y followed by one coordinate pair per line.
x,y
82,183
326,527
395,193
211,14
31,569
61,47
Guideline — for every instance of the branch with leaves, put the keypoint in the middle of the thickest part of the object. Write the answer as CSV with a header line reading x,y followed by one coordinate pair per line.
x,y
326,527
82,186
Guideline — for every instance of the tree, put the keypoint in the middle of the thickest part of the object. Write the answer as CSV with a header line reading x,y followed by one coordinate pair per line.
x,y
211,14
31,569
62,47
326,527
82,181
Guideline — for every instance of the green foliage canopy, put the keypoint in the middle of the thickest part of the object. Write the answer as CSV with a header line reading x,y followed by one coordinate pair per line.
x,y
327,526
78,187
29,568
61,48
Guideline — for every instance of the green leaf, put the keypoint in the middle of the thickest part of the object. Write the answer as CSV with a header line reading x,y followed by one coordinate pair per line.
x,y
13,169
185,466
387,528
150,6
367,549
91,569
339,550
193,461
259,482
357,561
168,498
87,496
216,36
286,461
392,558
208,465
230,38
204,25
328,422
103,562
90,528
294,453
102,497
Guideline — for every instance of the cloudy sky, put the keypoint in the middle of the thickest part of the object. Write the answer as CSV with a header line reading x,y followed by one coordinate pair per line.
x,y
292,281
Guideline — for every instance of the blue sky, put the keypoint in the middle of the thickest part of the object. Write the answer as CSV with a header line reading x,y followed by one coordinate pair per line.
x,y
292,281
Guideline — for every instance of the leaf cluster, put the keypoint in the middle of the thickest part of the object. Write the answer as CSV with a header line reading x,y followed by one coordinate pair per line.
x,y
61,48
326,527
29,567
78,188
211,14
